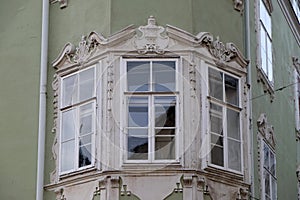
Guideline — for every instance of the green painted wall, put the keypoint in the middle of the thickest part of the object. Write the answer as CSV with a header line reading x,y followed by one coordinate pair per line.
x,y
20,36
281,111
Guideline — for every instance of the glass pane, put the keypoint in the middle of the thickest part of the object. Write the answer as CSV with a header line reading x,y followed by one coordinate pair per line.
x,y
263,39
233,124
164,148
165,111
87,108
67,155
137,148
69,93
85,156
84,140
137,111
86,84
86,124
216,119
68,125
138,132
215,83
267,182
164,76
269,56
217,156
272,164
234,155
159,131
266,156
218,140
232,90
138,76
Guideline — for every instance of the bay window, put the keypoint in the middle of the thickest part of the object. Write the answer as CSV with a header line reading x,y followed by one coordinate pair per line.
x,y
151,107
77,125
224,120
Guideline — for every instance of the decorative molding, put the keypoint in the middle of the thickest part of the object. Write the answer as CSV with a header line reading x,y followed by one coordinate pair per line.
x,y
60,194
266,130
223,52
296,63
239,5
62,3
152,38
243,194
267,85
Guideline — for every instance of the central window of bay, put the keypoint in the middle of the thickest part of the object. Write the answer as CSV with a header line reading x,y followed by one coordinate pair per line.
x,y
151,110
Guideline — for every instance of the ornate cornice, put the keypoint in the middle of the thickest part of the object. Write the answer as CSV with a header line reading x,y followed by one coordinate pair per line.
x,y
266,130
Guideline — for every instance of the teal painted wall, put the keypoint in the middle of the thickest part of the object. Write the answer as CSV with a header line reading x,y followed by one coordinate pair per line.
x,y
20,36
281,111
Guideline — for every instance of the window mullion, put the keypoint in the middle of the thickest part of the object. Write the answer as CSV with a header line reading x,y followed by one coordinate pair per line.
x,y
77,125
150,129
225,149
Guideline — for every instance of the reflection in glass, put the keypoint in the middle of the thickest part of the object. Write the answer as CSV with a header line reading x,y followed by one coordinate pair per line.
x,y
164,75
267,182
164,148
68,125
85,124
216,121
67,155
215,83
266,156
232,90
138,76
137,148
165,111
234,155
218,140
69,93
86,84
233,124
137,111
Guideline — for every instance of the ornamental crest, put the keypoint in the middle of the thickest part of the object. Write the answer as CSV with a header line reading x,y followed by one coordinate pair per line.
x,y
152,38
266,129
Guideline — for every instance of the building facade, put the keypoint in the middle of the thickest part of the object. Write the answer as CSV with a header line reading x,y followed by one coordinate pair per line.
x,y
184,100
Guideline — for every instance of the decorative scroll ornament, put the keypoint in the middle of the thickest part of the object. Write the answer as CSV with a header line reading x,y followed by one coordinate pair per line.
x,y
62,3
238,5
152,39
266,129
83,51
296,63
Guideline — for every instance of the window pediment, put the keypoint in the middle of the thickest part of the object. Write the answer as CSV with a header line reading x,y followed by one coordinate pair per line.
x,y
148,40
266,130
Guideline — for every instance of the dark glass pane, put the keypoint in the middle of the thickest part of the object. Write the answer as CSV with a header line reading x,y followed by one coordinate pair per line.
x,y
165,111
232,90
84,140
218,140
233,124
272,164
164,148
164,73
86,84
217,156
215,83
266,156
137,148
234,155
85,156
140,132
138,112
267,182
138,76
159,131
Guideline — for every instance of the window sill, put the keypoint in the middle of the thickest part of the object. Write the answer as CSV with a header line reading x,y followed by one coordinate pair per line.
x,y
77,173
219,172
267,84
151,166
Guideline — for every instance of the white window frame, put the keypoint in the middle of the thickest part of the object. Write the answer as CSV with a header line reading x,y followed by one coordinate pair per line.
x,y
151,116
76,106
224,105
267,68
263,143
